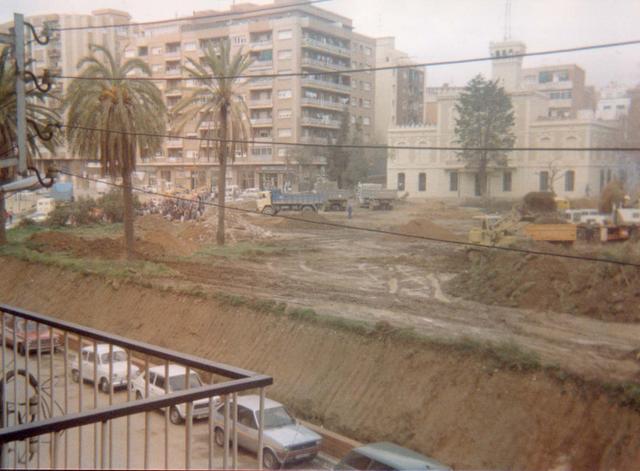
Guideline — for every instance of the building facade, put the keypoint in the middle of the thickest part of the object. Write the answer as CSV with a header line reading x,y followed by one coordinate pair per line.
x,y
614,101
441,173
399,98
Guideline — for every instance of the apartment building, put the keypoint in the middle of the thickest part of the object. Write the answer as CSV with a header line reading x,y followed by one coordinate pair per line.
x,y
399,92
614,101
61,56
280,39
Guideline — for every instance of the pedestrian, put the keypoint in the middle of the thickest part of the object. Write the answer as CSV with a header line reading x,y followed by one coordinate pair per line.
x,y
349,210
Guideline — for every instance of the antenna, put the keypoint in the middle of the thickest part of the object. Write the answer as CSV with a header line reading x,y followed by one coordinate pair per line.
x,y
507,20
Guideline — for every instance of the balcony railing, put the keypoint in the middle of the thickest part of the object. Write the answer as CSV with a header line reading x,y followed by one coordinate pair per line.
x,y
261,64
324,104
174,71
314,82
261,82
325,64
261,121
60,409
261,44
326,46
323,122
260,102
174,142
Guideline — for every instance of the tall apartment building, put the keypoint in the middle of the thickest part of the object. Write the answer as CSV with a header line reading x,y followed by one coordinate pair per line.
x,y
310,109
399,92
61,56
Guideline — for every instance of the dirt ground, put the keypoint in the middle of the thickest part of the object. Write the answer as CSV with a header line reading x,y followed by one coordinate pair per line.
x,y
434,288
449,405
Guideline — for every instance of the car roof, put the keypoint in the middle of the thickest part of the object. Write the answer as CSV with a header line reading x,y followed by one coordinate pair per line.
x,y
398,457
174,370
252,401
102,348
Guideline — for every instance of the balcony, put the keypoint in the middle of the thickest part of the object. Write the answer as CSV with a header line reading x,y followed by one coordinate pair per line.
x,y
261,44
316,140
262,121
317,103
257,83
321,122
323,64
108,429
261,64
173,71
174,143
317,83
261,103
324,46
173,92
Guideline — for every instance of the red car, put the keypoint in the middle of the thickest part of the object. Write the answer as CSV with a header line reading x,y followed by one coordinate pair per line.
x,y
26,336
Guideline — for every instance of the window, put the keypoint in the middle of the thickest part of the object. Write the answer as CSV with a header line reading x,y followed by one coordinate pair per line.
x,y
601,179
506,181
453,181
366,86
354,83
366,103
190,46
152,377
160,381
246,418
544,181
282,152
545,77
285,34
422,182
284,93
284,132
569,180
238,40
143,51
366,121
284,54
284,113
352,119
401,182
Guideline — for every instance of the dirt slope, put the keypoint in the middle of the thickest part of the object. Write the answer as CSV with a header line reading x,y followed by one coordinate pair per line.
x,y
451,406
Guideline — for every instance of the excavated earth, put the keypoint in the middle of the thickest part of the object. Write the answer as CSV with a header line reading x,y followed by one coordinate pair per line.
x,y
457,407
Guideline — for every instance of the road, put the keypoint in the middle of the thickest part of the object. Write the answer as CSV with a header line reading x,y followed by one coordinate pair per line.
x,y
80,447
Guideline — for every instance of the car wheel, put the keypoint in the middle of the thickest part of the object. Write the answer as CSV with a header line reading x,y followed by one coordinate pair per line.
x,y
269,460
75,376
104,385
219,437
174,416
21,349
138,395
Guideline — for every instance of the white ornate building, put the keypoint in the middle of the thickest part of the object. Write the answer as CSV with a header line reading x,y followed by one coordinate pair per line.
x,y
440,174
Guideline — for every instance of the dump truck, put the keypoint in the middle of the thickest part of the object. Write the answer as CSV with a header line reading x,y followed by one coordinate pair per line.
x,y
509,229
335,199
274,201
375,196
619,225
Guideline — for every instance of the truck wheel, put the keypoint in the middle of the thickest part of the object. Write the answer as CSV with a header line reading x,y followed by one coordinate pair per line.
x,y
269,460
75,376
269,211
308,209
336,207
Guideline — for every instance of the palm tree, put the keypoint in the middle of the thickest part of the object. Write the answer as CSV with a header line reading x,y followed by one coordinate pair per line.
x,y
217,101
132,110
38,116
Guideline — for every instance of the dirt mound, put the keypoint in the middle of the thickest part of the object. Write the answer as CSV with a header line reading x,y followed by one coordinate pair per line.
x,y
49,241
453,406
299,222
425,228
599,290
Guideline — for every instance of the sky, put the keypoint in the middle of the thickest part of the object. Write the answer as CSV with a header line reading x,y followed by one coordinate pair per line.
x,y
431,30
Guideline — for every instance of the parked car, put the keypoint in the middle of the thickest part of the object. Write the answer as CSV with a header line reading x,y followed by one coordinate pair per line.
x,y
119,368
177,380
285,439
385,456
26,337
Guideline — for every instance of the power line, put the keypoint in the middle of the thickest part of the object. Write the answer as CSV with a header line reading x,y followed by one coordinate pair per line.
x,y
190,18
369,229
358,146
369,69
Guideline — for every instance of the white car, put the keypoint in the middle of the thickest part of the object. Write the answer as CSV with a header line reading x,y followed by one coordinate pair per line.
x,y
118,362
177,380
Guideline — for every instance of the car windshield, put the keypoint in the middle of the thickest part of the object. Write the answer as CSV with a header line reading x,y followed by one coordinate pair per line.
x,y
177,382
117,356
277,417
31,327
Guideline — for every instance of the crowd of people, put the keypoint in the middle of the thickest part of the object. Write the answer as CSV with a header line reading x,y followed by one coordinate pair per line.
x,y
176,209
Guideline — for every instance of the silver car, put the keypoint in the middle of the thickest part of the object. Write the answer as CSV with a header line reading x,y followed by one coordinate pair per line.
x,y
285,440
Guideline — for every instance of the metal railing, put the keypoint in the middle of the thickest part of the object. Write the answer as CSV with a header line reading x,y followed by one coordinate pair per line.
x,y
59,405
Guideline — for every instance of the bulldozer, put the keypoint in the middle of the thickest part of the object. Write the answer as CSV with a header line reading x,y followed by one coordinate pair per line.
x,y
536,218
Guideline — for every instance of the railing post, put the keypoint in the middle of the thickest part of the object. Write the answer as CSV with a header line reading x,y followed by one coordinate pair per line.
x,y
235,430
66,396
225,457
105,444
167,411
261,430
80,388
188,422
55,448
147,417
129,416
96,438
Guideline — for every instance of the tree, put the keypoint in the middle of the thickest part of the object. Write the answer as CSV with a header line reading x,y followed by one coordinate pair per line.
x,y
339,158
37,115
485,120
305,158
357,168
132,112
217,100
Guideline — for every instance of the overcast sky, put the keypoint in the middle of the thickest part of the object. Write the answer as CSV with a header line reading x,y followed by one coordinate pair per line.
x,y
431,30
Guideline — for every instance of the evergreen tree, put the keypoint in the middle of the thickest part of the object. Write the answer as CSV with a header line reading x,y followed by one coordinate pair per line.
x,y
485,120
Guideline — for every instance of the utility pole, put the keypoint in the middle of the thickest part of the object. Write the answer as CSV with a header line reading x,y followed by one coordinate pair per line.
x,y
21,119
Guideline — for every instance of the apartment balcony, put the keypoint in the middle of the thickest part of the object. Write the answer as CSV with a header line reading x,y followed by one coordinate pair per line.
x,y
330,105
173,143
323,46
261,64
321,122
309,61
172,72
326,85
260,45
315,140
261,103
262,121
172,53
173,92
258,83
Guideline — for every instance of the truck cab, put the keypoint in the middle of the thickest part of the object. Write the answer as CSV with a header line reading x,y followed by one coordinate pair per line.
x,y
264,202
